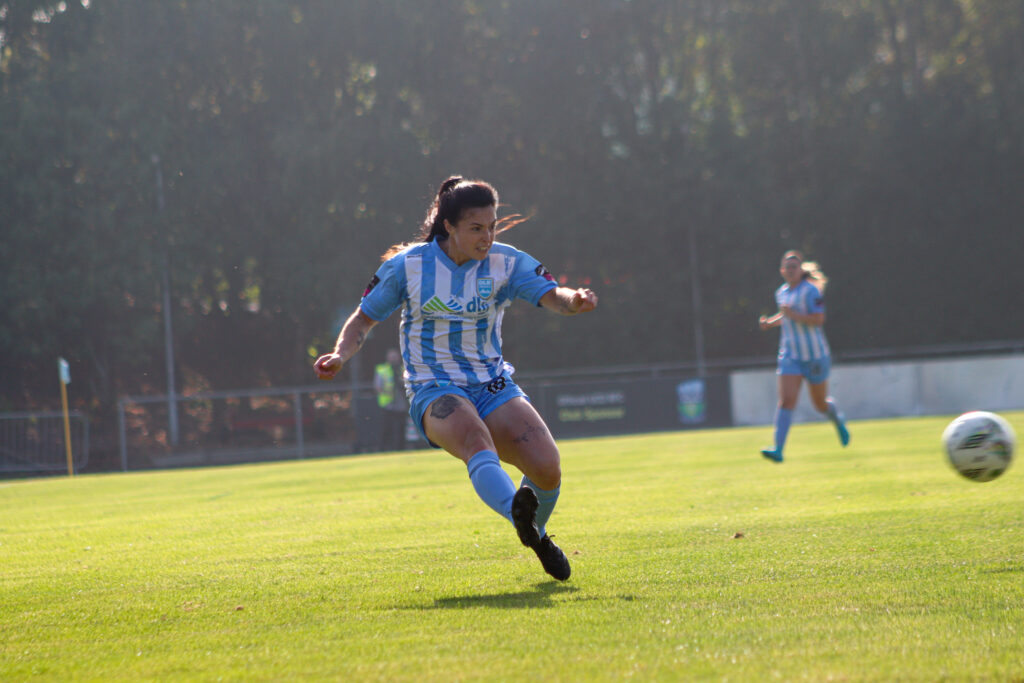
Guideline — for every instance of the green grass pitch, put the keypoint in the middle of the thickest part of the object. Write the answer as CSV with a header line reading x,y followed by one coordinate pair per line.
x,y
693,559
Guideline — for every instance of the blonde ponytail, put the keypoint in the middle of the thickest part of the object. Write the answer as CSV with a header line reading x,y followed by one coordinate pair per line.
x,y
813,273
809,269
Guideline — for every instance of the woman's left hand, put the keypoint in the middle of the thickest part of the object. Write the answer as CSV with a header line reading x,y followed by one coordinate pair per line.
x,y
582,301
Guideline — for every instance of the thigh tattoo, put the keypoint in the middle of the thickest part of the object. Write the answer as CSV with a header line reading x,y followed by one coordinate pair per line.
x,y
444,406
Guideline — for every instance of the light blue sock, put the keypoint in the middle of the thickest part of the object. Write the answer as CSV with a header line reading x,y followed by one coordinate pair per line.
x,y
547,503
837,420
492,483
783,418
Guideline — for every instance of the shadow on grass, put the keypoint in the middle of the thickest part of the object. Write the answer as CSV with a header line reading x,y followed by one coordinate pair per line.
x,y
541,596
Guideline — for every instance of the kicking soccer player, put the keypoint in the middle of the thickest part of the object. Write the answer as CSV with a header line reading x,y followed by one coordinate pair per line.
x,y
803,349
453,286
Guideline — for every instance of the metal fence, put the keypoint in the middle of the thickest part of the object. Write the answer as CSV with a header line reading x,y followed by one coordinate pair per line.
x,y
340,417
34,443
326,419
226,427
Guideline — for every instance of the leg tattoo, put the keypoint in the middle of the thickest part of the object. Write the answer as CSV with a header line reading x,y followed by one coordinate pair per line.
x,y
530,430
444,406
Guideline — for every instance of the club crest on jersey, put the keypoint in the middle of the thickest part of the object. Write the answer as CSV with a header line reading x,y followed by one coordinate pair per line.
x,y
485,287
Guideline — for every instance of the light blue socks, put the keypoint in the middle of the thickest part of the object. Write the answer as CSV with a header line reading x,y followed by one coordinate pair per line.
x,y
837,420
547,501
492,483
783,419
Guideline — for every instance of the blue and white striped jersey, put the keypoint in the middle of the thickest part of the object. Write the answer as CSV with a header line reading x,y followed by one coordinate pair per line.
x,y
799,341
451,319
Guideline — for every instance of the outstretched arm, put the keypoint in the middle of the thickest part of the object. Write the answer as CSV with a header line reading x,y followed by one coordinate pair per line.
x,y
353,334
569,301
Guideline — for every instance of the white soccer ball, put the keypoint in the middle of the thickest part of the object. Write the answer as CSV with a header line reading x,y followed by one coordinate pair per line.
x,y
979,445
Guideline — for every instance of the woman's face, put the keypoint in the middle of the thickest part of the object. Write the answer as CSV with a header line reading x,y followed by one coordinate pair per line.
x,y
792,271
473,235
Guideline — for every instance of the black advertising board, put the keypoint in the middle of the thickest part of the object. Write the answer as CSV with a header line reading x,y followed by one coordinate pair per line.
x,y
578,409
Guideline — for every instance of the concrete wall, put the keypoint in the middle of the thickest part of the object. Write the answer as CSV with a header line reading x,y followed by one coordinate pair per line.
x,y
878,390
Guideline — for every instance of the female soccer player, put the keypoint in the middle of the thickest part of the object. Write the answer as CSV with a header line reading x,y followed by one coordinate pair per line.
x,y
803,349
453,287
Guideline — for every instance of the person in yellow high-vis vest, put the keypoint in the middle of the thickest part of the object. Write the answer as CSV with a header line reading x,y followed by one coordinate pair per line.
x,y
391,401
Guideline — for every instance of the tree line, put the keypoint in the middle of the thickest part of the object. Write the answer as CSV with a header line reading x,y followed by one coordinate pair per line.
x,y
264,154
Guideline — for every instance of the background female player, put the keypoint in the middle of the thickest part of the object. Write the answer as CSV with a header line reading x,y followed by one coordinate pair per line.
x,y
453,287
803,349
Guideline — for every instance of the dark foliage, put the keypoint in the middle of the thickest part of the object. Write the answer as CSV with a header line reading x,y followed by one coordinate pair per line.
x,y
297,140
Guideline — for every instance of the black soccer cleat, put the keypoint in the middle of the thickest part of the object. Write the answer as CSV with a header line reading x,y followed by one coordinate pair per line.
x,y
552,558
524,513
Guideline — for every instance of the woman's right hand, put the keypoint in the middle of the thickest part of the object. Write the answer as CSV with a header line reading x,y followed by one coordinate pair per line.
x,y
328,365
762,322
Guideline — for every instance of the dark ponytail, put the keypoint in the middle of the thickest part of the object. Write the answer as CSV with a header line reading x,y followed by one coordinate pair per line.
x,y
452,197
455,195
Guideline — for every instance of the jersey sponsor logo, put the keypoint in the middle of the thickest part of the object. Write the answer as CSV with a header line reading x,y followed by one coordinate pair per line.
x,y
454,310
373,283
485,287
435,305
543,272
477,305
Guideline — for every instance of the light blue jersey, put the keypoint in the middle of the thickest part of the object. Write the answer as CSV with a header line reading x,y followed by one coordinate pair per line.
x,y
451,315
799,341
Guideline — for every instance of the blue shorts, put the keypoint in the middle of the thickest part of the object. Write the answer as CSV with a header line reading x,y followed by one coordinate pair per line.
x,y
485,397
816,370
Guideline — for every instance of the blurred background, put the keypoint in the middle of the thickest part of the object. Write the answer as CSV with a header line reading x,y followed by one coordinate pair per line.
x,y
194,194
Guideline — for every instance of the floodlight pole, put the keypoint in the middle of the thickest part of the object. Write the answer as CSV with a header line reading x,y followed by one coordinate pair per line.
x,y
172,404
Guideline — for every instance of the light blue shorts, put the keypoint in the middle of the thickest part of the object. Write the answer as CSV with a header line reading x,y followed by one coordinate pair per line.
x,y
485,397
815,371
